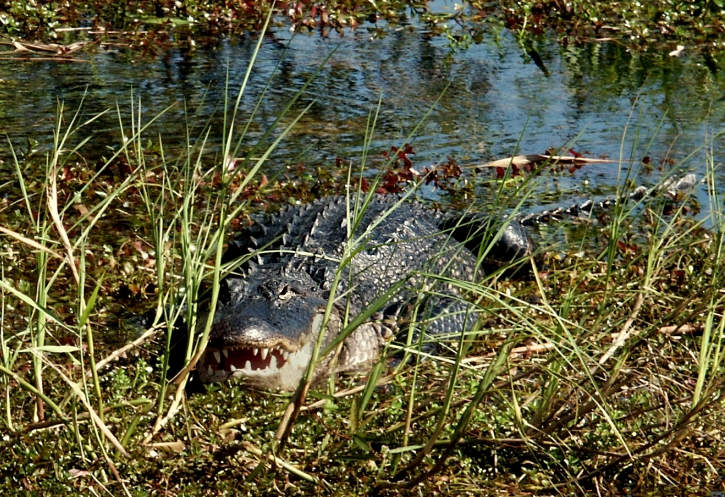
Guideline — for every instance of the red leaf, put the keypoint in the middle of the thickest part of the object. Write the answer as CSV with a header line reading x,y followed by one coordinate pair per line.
x,y
575,153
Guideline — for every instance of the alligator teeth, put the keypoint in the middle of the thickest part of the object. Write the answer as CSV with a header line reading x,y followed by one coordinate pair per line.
x,y
255,351
232,368
217,356
285,355
248,365
273,362
264,353
225,351
209,370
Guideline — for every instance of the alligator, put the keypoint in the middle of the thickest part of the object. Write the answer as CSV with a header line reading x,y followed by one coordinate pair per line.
x,y
387,255
375,261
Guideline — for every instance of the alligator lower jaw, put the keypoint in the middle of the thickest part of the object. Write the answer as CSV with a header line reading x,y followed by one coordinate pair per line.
x,y
265,367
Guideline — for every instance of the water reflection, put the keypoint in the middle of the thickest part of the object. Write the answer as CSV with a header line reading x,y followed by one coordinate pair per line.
x,y
495,102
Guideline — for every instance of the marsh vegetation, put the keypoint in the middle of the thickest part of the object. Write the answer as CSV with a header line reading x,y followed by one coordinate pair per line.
x,y
599,371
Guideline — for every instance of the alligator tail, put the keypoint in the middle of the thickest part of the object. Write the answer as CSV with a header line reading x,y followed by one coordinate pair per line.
x,y
671,189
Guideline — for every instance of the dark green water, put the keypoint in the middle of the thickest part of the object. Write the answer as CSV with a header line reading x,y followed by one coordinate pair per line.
x,y
495,104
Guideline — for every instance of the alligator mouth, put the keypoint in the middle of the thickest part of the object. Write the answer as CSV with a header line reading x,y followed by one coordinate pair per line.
x,y
278,363
261,366
245,359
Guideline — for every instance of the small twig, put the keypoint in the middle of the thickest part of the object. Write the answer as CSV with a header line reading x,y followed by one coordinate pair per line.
x,y
44,59
290,414
63,30
30,242
76,389
532,159
173,409
516,352
684,329
58,223
384,380
80,417
174,446
622,336
249,447
537,348
121,351
45,48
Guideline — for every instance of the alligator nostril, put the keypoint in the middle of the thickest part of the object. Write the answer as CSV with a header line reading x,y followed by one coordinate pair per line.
x,y
285,292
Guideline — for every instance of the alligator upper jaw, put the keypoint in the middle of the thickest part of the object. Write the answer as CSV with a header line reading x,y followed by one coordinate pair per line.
x,y
272,364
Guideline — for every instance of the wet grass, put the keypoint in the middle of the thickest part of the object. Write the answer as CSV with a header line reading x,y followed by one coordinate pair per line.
x,y
600,373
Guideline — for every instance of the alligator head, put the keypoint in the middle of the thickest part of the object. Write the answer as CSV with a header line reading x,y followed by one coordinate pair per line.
x,y
267,332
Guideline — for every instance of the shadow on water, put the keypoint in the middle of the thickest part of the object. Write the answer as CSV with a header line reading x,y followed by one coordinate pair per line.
x,y
495,101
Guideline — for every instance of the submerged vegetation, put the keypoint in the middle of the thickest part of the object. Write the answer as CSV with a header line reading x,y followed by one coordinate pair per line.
x,y
598,369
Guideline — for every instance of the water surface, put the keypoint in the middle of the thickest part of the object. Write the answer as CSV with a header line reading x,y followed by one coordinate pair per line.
x,y
485,103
